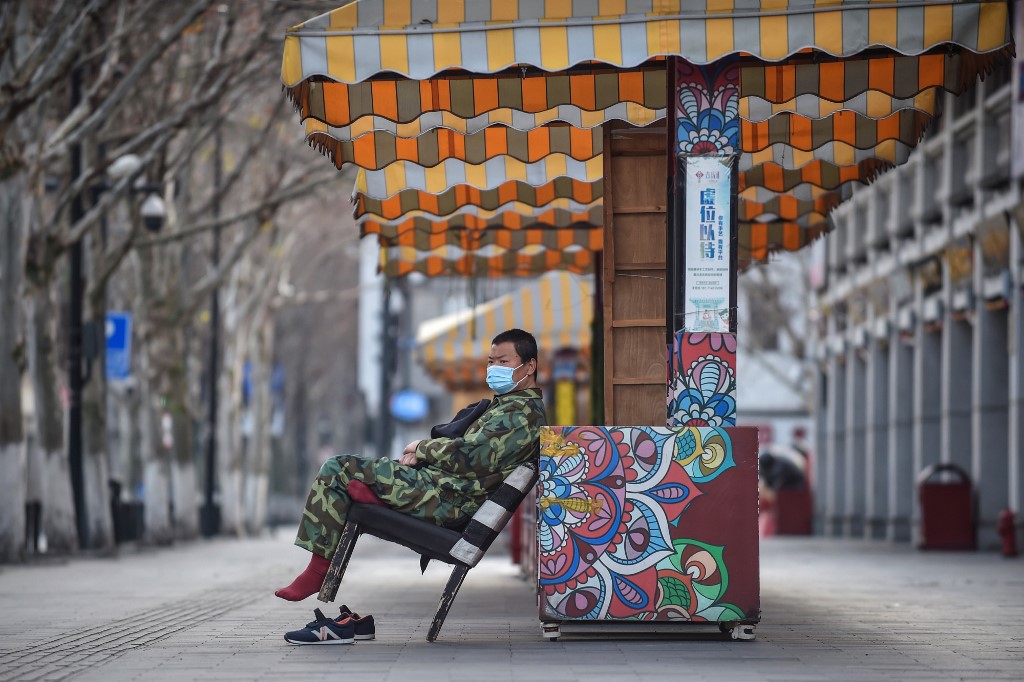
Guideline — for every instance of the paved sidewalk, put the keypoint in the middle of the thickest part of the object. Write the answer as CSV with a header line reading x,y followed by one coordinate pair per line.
x,y
833,610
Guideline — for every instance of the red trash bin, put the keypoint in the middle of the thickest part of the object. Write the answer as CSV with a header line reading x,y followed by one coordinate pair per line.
x,y
947,508
793,511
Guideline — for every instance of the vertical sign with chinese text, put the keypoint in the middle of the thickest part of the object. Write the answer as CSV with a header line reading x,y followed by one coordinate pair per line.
x,y
708,232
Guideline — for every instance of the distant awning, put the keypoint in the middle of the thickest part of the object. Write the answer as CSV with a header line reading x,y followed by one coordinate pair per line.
x,y
557,308
456,107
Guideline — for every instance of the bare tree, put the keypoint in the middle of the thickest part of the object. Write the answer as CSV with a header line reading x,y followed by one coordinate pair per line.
x,y
155,80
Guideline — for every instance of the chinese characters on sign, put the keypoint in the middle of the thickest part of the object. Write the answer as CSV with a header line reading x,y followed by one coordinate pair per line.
x,y
708,232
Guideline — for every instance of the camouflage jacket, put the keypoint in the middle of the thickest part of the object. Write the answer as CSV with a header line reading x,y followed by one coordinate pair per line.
x,y
468,469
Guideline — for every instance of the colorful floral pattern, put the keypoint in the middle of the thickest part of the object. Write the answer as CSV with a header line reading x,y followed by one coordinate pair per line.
x,y
702,380
612,537
707,108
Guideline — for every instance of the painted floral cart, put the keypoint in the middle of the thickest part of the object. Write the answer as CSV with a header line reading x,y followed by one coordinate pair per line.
x,y
647,523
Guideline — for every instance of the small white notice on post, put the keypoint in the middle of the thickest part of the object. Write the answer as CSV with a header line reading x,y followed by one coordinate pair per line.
x,y
708,243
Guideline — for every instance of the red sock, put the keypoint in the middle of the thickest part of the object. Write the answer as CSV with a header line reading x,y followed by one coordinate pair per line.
x,y
309,581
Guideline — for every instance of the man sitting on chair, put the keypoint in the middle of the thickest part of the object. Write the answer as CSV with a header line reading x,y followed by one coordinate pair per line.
x,y
443,479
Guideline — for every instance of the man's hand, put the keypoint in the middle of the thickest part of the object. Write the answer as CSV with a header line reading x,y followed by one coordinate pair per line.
x,y
408,457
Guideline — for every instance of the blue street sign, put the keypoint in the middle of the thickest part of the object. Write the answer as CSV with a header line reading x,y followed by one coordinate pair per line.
x,y
409,406
119,346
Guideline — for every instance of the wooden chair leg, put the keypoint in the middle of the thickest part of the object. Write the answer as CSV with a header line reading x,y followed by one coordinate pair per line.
x,y
450,590
332,581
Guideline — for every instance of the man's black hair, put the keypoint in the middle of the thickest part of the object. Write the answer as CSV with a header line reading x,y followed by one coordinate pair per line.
x,y
524,343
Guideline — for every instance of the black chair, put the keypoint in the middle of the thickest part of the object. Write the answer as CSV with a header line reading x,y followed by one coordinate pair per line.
x,y
463,550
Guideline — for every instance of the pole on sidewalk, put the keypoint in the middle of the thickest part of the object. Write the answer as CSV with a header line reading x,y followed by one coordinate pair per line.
x,y
75,377
209,515
386,368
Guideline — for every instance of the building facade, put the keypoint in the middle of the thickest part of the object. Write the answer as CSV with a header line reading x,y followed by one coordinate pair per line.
x,y
919,321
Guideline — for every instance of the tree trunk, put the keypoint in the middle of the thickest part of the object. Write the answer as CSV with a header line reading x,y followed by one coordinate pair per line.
x,y
14,190
229,416
96,455
153,455
12,434
128,416
229,442
96,465
185,502
58,508
257,483
96,469
156,474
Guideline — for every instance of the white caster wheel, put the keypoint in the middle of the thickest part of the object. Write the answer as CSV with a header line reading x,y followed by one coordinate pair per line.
x,y
550,631
742,632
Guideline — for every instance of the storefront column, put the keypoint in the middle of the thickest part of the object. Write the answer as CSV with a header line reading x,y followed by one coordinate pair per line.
x,y
955,433
1015,482
877,442
990,401
854,461
834,488
901,438
927,386
820,463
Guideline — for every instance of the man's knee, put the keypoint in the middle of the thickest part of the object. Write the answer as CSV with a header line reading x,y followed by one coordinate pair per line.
x,y
335,465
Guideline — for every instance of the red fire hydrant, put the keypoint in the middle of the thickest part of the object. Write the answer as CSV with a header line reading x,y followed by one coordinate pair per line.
x,y
1008,532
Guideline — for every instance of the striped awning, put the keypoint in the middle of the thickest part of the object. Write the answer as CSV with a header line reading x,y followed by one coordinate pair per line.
x,y
404,175
418,40
466,114
464,197
512,218
487,261
376,151
510,240
556,307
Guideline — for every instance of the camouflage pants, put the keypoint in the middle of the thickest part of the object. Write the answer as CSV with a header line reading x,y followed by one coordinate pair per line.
x,y
405,489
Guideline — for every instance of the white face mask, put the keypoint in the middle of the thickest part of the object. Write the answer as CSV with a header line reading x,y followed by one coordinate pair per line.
x,y
500,378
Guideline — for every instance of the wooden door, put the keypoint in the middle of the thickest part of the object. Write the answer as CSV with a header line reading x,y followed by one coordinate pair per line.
x,y
635,349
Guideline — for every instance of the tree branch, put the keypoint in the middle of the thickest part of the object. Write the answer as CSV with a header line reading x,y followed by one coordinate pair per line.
x,y
111,262
119,94
251,148
314,297
214,279
270,203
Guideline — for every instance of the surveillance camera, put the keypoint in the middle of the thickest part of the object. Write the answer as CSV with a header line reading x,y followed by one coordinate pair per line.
x,y
153,213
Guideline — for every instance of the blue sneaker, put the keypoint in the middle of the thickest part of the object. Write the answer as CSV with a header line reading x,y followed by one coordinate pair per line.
x,y
324,630
365,629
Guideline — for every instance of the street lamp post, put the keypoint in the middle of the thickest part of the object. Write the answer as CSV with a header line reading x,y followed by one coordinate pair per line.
x,y
75,378
209,515
388,357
